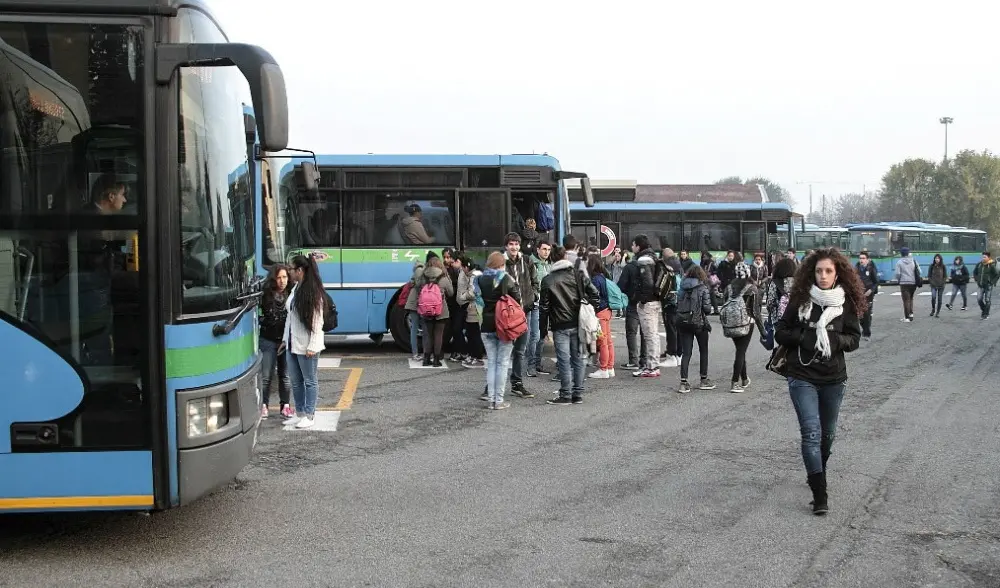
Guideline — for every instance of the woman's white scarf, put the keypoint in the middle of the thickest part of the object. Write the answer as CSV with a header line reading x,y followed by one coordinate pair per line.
x,y
832,303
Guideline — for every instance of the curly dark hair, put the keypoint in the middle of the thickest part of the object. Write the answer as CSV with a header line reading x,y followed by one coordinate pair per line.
x,y
847,278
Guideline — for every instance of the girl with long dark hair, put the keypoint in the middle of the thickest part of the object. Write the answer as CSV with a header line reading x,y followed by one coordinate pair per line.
x,y
303,338
605,346
937,275
694,304
272,328
819,325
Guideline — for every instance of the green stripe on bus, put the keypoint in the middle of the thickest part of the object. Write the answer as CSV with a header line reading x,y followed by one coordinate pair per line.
x,y
367,255
207,359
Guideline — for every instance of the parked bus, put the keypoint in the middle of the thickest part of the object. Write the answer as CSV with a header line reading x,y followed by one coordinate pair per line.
x,y
694,226
127,252
883,240
373,216
812,236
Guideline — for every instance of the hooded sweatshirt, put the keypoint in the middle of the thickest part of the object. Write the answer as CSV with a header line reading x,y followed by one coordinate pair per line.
x,y
906,271
701,301
443,280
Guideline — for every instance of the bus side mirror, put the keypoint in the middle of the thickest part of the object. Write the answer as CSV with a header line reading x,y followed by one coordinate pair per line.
x,y
588,192
310,176
267,83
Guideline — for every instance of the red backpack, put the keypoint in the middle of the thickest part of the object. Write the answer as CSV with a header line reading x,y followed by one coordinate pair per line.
x,y
430,302
404,293
510,319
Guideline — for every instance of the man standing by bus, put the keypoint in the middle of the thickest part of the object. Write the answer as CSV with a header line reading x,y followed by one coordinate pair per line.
x,y
986,275
522,271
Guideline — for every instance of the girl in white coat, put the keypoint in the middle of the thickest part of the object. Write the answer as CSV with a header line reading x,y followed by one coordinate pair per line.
x,y
303,338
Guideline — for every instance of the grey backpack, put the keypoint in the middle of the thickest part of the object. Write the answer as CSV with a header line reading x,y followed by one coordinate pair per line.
x,y
734,315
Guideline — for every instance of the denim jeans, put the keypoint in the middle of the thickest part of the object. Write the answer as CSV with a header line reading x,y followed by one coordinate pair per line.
x,y
415,323
533,351
955,289
817,408
269,361
518,363
497,362
937,298
985,298
305,383
570,362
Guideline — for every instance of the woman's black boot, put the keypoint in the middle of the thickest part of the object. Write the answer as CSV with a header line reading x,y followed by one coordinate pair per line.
x,y
427,360
817,483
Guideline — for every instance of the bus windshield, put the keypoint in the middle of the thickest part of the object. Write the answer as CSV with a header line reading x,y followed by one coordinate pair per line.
x,y
71,136
876,243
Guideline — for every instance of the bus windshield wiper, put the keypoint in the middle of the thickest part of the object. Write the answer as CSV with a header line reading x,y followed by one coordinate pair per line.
x,y
250,300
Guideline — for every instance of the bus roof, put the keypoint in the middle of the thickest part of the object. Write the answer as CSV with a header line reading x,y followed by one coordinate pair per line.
x,y
432,160
810,227
913,226
681,206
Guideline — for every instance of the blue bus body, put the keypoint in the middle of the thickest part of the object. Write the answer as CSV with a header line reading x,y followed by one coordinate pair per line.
x,y
467,202
132,369
883,241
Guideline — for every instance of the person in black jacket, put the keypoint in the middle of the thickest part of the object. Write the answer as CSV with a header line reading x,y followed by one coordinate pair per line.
x,y
869,280
819,326
959,282
628,283
272,330
563,291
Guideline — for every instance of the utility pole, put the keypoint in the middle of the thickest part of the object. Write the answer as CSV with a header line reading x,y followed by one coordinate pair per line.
x,y
946,120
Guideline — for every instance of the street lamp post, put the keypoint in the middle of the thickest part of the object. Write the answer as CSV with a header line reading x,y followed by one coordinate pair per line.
x,y
946,120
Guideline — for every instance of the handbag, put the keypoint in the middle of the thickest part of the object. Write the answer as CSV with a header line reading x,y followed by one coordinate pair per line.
x,y
779,361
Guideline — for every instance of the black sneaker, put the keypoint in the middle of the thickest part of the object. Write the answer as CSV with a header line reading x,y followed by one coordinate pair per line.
x,y
518,390
577,400
948,306
684,388
706,384
630,365
542,371
559,401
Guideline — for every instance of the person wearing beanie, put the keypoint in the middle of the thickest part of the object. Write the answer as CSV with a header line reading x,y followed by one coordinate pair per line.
x,y
908,278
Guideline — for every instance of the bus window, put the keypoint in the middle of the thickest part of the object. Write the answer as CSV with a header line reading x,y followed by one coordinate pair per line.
x,y
321,220
754,237
481,221
706,236
400,218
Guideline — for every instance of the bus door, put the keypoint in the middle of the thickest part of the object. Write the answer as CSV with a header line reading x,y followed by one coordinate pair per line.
x,y
484,217
587,233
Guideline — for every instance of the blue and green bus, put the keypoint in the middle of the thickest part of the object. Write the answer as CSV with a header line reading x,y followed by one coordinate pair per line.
x,y
373,216
883,241
748,227
127,243
810,236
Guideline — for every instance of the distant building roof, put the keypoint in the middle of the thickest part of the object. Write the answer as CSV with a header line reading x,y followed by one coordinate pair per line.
x,y
715,193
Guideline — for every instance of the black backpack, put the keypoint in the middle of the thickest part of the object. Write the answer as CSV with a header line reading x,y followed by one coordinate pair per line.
x,y
689,311
329,313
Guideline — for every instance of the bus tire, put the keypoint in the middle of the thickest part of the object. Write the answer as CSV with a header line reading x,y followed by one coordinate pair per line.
x,y
399,327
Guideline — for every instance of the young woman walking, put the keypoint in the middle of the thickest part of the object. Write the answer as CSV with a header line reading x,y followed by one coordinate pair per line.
x,y
303,338
937,275
819,325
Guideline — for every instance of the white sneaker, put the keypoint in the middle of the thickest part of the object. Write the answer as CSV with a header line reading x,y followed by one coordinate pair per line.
x,y
611,373
291,421
304,423
600,375
669,361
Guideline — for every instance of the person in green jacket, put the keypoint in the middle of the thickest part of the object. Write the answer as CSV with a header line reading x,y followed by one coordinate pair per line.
x,y
986,275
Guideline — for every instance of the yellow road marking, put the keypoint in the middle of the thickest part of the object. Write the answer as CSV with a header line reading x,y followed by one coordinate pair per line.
x,y
350,388
75,502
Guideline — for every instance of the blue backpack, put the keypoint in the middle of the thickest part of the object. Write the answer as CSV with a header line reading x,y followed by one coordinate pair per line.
x,y
617,299
545,219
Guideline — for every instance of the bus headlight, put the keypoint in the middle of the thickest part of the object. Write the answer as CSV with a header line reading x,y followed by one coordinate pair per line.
x,y
207,415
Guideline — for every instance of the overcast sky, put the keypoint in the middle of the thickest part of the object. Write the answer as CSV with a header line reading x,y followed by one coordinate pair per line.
x,y
687,93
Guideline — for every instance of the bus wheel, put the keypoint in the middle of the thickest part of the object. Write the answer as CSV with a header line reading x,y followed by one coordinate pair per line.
x,y
399,327
377,337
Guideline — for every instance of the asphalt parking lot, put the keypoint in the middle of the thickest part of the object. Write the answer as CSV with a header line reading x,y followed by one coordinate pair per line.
x,y
639,486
